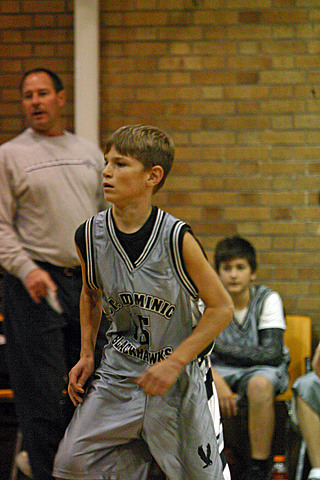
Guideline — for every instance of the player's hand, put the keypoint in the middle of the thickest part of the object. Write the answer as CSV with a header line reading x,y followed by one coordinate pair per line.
x,y
159,378
227,402
78,376
38,283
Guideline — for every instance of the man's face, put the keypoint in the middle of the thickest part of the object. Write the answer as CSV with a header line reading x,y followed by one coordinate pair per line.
x,y
42,105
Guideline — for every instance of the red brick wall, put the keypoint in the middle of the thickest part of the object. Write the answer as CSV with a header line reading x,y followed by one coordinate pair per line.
x,y
236,83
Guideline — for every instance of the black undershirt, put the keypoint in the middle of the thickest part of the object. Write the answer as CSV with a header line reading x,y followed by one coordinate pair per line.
x,y
134,243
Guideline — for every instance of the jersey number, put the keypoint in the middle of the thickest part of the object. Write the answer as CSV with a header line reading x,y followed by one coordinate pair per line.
x,y
142,335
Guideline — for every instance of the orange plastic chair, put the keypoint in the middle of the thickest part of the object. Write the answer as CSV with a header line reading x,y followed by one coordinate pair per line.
x,y
297,338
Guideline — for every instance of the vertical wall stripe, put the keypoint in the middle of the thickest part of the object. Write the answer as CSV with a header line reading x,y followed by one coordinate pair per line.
x,y
86,69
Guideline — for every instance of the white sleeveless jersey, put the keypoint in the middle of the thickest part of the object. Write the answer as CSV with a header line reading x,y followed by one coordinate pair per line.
x,y
152,303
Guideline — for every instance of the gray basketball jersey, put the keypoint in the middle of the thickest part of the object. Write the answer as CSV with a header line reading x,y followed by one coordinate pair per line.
x,y
248,332
152,303
153,306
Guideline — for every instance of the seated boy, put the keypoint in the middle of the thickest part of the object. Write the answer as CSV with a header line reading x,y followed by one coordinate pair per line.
x,y
249,357
307,396
147,271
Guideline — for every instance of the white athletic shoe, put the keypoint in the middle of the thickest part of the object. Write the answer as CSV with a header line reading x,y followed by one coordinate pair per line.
x,y
22,461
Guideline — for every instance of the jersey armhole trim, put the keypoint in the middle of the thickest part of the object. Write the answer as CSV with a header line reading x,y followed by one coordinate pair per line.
x,y
176,237
90,263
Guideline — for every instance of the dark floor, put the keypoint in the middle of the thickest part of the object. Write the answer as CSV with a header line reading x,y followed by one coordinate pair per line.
x,y
8,430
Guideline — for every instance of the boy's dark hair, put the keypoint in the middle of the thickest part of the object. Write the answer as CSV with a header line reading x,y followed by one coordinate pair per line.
x,y
150,145
56,81
235,247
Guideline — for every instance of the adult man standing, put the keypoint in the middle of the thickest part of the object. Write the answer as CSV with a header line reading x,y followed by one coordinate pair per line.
x,y
50,183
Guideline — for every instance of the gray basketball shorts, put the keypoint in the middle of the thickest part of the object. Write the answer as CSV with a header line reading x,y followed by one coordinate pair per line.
x,y
116,431
308,388
238,378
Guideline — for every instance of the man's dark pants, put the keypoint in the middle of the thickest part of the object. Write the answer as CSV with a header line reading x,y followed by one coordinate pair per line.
x,y
42,347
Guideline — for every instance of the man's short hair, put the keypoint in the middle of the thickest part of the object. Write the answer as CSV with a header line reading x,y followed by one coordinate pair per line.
x,y
150,145
56,81
234,247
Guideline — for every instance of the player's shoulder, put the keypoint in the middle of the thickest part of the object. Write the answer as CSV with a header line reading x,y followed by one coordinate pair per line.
x,y
98,221
169,218
264,291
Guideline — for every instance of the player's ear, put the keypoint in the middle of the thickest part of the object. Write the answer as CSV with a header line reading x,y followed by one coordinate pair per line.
x,y
155,175
253,276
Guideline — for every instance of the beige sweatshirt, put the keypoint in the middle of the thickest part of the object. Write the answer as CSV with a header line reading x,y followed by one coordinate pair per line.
x,y
48,187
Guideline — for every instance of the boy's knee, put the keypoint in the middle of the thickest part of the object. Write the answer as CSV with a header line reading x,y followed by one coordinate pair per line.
x,y
260,390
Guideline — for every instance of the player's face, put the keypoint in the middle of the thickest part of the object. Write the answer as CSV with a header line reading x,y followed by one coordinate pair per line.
x,y
124,178
236,275
41,104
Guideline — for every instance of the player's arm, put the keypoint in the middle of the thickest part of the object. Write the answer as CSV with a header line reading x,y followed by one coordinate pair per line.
x,y
219,306
90,318
156,380
269,351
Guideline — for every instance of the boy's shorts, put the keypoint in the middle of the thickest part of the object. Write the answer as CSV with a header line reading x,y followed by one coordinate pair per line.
x,y
238,378
308,388
117,428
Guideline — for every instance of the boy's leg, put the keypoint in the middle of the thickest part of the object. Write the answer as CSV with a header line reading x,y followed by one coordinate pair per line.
x,y
103,438
261,416
179,430
307,396
256,387
125,462
261,419
309,424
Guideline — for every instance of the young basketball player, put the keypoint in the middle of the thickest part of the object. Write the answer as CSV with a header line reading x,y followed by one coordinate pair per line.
x,y
145,269
249,356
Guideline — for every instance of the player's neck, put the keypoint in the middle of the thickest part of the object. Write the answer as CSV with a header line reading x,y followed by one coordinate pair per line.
x,y
241,300
131,218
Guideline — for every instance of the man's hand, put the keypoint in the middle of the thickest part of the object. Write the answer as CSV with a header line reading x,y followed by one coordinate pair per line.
x,y
159,378
78,376
38,283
